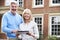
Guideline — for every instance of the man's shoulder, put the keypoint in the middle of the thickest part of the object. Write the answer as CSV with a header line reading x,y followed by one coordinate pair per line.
x,y
19,15
6,13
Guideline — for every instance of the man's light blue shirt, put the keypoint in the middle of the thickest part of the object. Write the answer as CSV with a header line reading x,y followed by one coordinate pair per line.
x,y
11,22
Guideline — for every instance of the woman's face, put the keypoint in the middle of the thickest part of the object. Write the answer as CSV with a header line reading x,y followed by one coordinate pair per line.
x,y
26,16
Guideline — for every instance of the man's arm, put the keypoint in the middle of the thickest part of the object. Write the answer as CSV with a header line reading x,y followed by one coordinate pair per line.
x,y
20,20
4,25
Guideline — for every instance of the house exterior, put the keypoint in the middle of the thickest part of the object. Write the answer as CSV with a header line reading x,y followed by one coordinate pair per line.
x,y
46,13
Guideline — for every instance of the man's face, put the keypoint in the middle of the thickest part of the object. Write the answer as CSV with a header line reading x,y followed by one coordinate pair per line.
x,y
13,8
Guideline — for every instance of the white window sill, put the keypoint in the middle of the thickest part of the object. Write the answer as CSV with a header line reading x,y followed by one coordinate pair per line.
x,y
53,5
38,6
56,36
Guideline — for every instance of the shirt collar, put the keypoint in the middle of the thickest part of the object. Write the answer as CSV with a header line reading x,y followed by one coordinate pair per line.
x,y
12,14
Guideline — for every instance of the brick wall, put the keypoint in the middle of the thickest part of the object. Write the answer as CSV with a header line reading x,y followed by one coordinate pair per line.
x,y
45,27
45,9
2,2
0,21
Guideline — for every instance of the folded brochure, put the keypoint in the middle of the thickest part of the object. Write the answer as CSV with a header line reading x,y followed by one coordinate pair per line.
x,y
22,32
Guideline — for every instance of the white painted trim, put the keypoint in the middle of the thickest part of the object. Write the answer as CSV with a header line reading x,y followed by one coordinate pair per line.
x,y
23,3
54,14
39,15
37,6
49,25
51,4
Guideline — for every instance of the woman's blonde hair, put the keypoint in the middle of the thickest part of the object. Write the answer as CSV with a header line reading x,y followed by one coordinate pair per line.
x,y
27,11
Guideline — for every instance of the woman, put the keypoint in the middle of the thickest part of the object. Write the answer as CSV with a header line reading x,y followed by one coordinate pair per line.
x,y
28,25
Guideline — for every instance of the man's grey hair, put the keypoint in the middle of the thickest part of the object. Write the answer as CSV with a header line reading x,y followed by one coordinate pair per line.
x,y
13,2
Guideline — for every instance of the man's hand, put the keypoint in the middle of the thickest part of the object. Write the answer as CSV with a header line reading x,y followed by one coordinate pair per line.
x,y
14,31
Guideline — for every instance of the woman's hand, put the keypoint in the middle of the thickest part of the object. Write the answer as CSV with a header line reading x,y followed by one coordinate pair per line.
x,y
30,34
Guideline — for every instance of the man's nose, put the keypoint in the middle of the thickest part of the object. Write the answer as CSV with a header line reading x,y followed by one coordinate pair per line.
x,y
14,7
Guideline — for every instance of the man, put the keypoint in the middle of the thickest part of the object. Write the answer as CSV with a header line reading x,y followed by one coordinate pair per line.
x,y
11,21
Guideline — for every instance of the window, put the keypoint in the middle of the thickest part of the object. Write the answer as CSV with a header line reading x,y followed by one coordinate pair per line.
x,y
20,2
39,21
7,2
38,3
55,25
54,2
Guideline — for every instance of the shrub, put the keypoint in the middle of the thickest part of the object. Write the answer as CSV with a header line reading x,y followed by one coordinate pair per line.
x,y
52,38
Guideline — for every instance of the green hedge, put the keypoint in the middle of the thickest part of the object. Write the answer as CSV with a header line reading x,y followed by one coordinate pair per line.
x,y
40,36
53,38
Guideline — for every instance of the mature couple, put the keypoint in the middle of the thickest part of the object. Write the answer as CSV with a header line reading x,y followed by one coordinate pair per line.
x,y
12,22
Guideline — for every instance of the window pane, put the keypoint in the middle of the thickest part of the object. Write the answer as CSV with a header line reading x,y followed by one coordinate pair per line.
x,y
20,0
15,0
59,33
58,26
38,20
56,1
52,33
52,20
52,29
53,26
38,2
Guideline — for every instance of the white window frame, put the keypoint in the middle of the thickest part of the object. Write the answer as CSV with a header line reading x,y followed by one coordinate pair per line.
x,y
51,4
37,6
51,27
39,15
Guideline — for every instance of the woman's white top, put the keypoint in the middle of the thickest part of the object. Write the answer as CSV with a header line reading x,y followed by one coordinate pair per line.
x,y
32,28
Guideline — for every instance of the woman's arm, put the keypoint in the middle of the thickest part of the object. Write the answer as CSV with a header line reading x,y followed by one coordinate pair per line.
x,y
35,31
